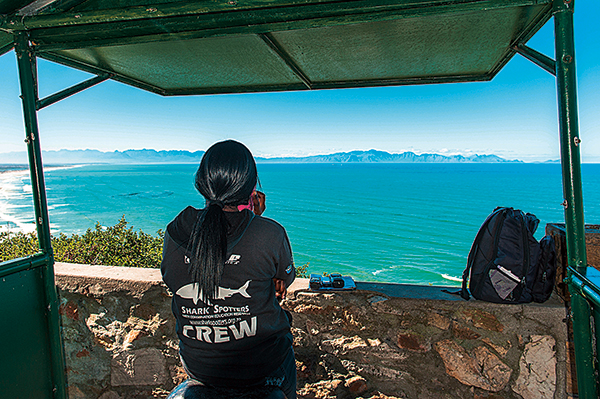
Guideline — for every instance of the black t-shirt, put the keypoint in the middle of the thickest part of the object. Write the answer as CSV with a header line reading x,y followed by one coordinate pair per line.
x,y
243,334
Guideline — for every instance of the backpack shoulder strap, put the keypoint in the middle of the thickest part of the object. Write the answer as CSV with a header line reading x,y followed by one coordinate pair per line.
x,y
464,292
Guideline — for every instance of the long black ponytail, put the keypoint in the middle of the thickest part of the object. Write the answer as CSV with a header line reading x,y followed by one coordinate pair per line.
x,y
226,177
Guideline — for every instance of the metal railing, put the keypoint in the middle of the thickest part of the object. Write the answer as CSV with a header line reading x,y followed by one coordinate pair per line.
x,y
585,293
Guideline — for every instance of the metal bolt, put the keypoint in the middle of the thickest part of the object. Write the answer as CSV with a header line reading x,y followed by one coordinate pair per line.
x,y
567,59
40,220
27,141
565,204
576,140
232,3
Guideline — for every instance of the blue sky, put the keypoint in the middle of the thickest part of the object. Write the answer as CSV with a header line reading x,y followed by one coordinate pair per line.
x,y
514,115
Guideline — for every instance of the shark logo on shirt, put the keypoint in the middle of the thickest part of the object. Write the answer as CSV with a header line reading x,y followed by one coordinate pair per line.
x,y
192,291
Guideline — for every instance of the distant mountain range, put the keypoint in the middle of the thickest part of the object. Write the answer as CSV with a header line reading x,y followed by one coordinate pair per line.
x,y
374,156
64,157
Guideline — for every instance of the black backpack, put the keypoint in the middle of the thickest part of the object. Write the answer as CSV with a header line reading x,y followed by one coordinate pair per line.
x,y
506,264
545,269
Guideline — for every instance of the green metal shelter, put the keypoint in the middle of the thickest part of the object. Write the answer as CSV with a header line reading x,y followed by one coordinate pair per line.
x,y
173,47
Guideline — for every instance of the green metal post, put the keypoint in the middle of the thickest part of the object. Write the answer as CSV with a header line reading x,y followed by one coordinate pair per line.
x,y
571,172
596,313
28,78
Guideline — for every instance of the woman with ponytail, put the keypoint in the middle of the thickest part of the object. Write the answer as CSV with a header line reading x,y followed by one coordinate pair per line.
x,y
228,267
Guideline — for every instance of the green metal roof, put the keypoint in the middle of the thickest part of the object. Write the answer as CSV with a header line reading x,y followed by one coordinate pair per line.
x,y
201,46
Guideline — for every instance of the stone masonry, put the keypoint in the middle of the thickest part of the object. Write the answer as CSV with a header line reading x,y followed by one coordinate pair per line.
x,y
120,342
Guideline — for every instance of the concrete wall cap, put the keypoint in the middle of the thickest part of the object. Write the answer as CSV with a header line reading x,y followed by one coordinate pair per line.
x,y
110,272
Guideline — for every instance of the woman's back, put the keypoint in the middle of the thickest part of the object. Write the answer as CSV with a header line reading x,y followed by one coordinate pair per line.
x,y
222,264
240,335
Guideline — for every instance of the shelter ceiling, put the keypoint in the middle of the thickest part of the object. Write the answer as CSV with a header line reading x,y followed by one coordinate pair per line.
x,y
201,47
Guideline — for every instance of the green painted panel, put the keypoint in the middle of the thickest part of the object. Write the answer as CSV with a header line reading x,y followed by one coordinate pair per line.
x,y
112,4
25,366
239,60
380,50
200,47
406,48
6,43
8,6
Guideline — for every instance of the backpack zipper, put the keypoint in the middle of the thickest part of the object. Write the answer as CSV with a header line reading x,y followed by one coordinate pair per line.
x,y
509,274
526,264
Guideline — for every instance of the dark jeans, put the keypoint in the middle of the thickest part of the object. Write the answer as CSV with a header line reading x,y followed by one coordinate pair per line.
x,y
283,377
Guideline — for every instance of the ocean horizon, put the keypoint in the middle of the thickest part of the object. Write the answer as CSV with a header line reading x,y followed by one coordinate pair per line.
x,y
401,222
151,156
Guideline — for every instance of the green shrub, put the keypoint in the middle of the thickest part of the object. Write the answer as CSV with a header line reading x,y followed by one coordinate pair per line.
x,y
302,271
113,246
17,245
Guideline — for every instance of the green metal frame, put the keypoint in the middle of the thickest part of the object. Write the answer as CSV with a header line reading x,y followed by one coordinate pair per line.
x,y
28,77
138,24
585,295
587,376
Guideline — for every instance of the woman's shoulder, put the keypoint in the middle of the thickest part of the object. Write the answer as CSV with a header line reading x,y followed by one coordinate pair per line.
x,y
181,227
268,224
189,212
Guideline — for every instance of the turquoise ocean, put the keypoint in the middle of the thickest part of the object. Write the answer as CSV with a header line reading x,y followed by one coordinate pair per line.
x,y
405,223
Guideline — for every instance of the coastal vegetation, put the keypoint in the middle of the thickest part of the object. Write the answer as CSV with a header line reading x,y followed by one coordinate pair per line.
x,y
118,245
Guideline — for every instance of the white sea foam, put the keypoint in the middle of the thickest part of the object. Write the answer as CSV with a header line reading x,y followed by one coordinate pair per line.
x,y
13,201
25,172
13,206
52,168
10,223
9,173
451,278
56,206
16,209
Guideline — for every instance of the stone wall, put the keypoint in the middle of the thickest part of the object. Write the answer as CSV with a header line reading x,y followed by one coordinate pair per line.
x,y
363,343
118,332
120,341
